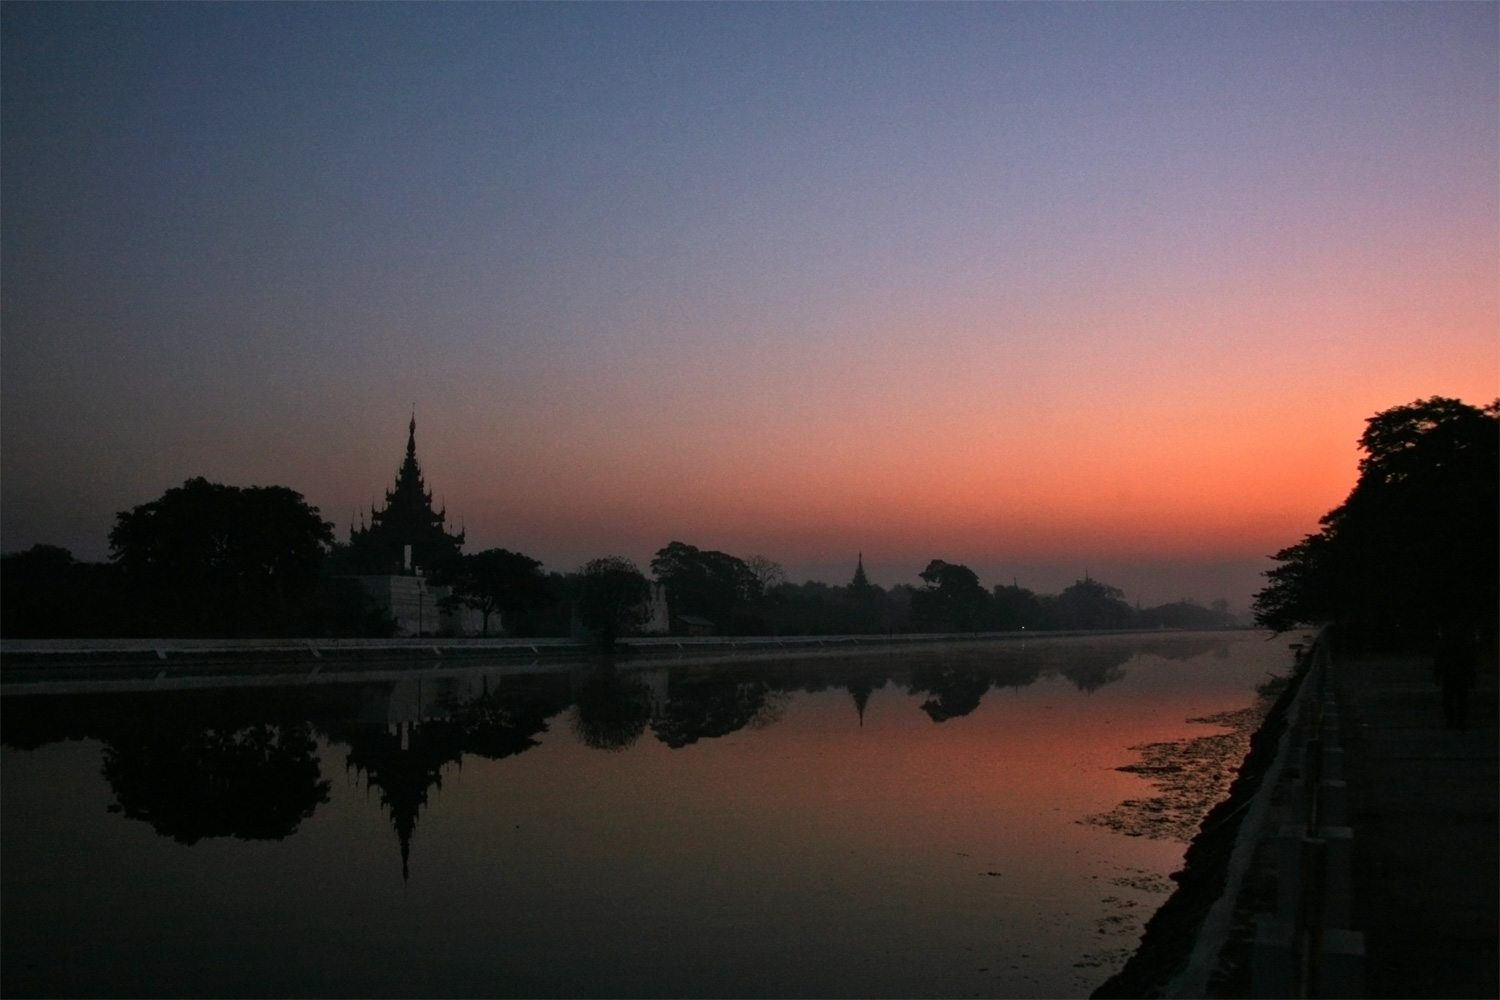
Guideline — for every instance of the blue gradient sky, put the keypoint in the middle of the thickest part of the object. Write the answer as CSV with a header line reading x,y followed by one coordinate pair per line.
x,y
1031,287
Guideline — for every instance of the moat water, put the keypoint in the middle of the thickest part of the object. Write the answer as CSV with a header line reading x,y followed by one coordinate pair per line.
x,y
934,821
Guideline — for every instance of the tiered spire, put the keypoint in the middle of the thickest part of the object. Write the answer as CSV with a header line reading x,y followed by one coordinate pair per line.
x,y
860,583
407,519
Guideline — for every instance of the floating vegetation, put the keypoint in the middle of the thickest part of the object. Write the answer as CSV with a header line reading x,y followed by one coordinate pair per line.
x,y
1190,777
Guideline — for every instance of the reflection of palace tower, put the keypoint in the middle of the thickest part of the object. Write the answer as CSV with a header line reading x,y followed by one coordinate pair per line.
x,y
860,686
404,761
413,729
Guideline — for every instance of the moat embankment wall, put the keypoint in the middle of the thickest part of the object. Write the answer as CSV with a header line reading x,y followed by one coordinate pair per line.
x,y
100,665
1182,942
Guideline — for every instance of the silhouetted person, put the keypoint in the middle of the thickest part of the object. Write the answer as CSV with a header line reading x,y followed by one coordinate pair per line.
x,y
1454,667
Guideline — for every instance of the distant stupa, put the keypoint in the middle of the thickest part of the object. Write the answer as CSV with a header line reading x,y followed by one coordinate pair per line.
x,y
407,519
860,583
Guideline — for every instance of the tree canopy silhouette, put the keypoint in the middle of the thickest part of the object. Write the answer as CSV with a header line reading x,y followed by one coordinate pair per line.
x,y
498,581
1415,545
706,583
208,555
708,707
1089,604
952,600
612,597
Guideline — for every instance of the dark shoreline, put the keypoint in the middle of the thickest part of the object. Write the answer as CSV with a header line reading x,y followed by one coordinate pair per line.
x,y
27,664
1172,932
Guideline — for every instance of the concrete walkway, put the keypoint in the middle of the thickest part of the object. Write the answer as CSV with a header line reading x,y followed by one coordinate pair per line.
x,y
1424,804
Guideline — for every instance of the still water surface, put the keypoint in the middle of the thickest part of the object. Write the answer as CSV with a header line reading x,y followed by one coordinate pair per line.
x,y
905,823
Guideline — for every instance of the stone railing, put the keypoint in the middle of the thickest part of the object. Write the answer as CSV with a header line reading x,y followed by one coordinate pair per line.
x,y
1306,948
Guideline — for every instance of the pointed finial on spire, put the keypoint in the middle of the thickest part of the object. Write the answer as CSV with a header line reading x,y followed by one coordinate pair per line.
x,y
860,582
411,435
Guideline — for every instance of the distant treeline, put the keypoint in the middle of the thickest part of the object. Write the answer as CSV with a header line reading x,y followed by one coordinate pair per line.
x,y
49,594
208,560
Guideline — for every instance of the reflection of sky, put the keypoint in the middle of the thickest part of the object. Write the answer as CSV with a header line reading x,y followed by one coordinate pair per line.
x,y
813,856
1013,285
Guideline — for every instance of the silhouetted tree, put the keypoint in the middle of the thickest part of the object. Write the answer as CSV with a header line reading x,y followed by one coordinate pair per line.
x,y
951,601
1186,614
336,606
612,596
768,576
209,556
1089,604
767,572
1416,543
36,592
706,583
1014,608
46,593
498,581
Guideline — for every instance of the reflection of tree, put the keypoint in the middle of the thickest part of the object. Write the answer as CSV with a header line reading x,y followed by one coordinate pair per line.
x,y
254,782
1182,649
222,762
404,761
32,722
502,723
958,680
242,762
1091,668
955,691
612,596
610,711
1015,670
704,708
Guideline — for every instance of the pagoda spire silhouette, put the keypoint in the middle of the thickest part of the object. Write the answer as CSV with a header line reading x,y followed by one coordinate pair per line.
x,y
407,519
861,582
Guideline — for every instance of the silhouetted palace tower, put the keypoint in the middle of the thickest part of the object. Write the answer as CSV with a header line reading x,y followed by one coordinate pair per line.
x,y
406,519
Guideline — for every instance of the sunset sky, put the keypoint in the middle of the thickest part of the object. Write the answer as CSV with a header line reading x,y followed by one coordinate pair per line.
x,y
1037,288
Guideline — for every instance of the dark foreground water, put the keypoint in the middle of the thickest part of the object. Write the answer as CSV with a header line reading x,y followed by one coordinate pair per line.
x,y
945,821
